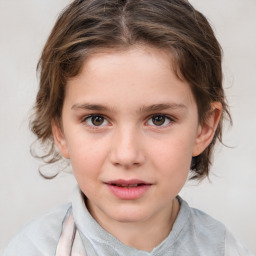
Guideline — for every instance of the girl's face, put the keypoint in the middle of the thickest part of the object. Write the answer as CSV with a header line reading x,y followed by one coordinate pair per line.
x,y
130,129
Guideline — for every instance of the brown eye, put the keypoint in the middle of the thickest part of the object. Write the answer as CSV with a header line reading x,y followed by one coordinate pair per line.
x,y
159,120
97,120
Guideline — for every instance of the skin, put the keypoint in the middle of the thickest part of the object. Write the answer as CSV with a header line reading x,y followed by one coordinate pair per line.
x,y
125,88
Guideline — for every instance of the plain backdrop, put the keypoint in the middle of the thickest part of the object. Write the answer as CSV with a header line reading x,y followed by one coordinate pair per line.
x,y
24,194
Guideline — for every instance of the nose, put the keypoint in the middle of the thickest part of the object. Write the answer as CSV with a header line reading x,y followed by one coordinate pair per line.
x,y
127,149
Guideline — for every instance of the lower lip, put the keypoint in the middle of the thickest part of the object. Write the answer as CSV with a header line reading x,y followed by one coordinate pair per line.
x,y
129,193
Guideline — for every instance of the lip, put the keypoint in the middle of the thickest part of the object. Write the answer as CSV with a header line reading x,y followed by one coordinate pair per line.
x,y
127,182
128,189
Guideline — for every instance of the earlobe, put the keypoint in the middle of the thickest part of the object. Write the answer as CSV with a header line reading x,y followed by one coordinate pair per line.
x,y
59,139
207,130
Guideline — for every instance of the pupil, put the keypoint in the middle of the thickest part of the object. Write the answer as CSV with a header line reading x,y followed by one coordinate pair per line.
x,y
97,120
158,120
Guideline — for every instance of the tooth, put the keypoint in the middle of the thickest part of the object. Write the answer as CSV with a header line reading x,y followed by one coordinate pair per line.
x,y
133,185
126,185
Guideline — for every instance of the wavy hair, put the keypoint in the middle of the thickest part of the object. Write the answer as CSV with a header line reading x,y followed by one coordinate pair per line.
x,y
87,25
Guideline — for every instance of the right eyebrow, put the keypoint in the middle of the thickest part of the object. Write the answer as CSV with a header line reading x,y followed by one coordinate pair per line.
x,y
85,106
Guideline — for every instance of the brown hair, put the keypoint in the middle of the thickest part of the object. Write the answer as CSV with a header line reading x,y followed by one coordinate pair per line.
x,y
86,25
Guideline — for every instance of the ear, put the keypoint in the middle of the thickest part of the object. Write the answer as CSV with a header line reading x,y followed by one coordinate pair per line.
x,y
59,139
207,130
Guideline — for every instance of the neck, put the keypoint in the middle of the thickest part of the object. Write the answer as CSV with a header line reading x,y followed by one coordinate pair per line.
x,y
144,235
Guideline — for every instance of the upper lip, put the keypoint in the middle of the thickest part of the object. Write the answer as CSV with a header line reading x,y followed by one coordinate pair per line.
x,y
121,182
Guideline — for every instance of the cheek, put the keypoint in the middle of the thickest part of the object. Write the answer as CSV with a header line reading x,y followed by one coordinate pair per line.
x,y
174,152
173,164
172,158
86,155
86,164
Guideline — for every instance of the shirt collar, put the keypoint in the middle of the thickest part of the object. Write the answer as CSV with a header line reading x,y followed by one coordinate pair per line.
x,y
102,241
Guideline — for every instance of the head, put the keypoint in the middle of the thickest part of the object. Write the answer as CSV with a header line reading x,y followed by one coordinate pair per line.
x,y
86,27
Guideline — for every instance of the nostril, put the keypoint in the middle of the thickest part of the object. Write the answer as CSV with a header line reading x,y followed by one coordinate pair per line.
x,y
126,152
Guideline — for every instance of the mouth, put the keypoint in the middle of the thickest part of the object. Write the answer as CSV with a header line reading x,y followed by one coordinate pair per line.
x,y
127,183
128,189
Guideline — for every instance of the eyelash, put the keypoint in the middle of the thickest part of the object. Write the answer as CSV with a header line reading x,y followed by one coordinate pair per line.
x,y
89,117
166,117
92,126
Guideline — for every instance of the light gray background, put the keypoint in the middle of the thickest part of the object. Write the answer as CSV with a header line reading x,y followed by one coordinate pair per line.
x,y
230,197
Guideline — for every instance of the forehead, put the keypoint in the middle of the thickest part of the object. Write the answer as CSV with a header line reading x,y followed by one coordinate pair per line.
x,y
140,73
139,53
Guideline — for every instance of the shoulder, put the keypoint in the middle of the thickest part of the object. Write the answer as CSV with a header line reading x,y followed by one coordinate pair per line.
x,y
235,247
204,223
199,233
211,233
40,236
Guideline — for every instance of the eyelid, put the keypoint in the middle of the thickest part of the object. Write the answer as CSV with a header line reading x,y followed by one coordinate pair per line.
x,y
171,119
86,117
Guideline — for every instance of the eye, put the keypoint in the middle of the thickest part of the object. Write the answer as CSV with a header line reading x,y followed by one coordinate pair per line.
x,y
159,120
95,120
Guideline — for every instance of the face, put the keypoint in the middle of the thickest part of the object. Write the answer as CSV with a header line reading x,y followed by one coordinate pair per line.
x,y
130,128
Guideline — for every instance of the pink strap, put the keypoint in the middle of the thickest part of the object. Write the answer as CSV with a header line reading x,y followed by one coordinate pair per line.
x,y
70,242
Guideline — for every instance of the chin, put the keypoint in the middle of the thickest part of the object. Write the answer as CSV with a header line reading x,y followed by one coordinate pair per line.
x,y
129,219
129,215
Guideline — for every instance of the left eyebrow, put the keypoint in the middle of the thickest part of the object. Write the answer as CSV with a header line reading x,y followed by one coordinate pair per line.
x,y
160,107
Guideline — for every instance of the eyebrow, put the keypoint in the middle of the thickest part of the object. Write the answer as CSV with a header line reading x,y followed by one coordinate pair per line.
x,y
143,109
95,107
160,107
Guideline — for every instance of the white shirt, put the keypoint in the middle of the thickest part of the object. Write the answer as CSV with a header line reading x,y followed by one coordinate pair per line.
x,y
194,233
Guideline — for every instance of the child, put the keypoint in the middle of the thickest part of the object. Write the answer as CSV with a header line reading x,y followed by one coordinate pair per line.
x,y
131,92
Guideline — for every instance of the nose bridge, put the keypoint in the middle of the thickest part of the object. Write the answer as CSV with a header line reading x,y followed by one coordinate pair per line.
x,y
127,149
